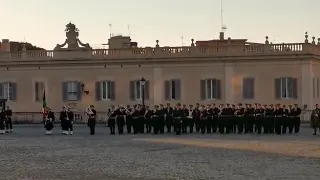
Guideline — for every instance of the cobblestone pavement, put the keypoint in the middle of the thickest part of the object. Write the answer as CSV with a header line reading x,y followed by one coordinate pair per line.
x,y
28,154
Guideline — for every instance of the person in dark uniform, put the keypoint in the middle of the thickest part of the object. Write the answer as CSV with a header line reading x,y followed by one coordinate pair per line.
x,y
269,127
203,119
191,119
259,117
278,119
178,115
222,118
240,118
69,122
233,120
63,117
168,117
290,118
112,120
215,116
8,113
138,120
249,119
91,112
148,115
296,112
2,121
49,121
156,119
285,119
120,119
209,123
129,119
315,122
185,119
162,122
197,120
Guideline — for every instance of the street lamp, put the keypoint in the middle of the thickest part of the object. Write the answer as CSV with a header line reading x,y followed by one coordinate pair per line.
x,y
143,84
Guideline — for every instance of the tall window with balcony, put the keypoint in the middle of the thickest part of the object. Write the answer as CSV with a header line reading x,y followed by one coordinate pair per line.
x,y
136,91
210,89
8,91
105,90
286,88
248,88
71,91
39,88
172,89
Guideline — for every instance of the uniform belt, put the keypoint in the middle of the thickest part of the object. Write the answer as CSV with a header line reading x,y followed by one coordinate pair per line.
x,y
278,116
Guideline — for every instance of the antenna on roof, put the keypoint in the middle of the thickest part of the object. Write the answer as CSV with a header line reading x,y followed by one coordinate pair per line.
x,y
110,29
223,26
129,31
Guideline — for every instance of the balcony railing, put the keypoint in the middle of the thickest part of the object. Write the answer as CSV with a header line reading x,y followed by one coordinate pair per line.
x,y
163,52
36,117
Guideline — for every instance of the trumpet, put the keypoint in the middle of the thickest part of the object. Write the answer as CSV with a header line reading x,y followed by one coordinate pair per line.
x,y
89,111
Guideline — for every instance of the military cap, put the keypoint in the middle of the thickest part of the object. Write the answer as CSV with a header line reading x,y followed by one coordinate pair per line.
x,y
190,105
197,104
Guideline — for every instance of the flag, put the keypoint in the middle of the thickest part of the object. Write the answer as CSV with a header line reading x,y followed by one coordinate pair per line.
x,y
44,105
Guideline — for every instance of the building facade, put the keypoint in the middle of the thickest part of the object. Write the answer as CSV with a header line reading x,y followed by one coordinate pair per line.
x,y
218,71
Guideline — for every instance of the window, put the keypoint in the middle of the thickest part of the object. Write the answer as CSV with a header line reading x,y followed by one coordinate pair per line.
x,y
172,89
105,90
137,90
71,91
286,88
210,89
39,90
8,91
248,88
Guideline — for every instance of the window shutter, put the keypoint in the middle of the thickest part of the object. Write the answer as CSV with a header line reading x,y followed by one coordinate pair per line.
x,y
112,90
65,91
167,90
318,87
79,91
98,91
294,88
252,88
314,87
178,89
146,90
218,81
1,90
36,91
277,88
202,89
14,92
132,90
248,88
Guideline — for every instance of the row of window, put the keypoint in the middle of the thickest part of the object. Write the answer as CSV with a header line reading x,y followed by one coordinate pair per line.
x,y
210,89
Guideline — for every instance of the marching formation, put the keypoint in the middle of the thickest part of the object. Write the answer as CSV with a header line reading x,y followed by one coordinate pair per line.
x,y
206,119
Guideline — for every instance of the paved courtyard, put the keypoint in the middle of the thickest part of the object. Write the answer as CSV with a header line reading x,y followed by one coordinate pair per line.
x,y
28,154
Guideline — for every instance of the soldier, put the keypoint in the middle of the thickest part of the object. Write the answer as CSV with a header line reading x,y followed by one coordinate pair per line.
x,y
91,112
112,120
249,119
196,117
49,121
224,113
168,117
120,119
233,120
203,119
178,115
129,119
215,116
148,115
290,118
209,123
190,119
296,112
269,120
259,118
278,119
285,119
315,119
162,122
8,113
197,120
69,122
185,118
2,121
136,119
239,114
155,119
63,117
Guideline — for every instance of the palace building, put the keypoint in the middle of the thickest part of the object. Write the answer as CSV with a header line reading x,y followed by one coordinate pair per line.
x,y
223,70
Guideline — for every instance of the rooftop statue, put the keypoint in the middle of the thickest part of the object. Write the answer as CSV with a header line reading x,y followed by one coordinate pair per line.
x,y
73,42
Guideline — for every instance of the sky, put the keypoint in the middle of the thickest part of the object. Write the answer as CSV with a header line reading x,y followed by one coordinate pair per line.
x,y
42,22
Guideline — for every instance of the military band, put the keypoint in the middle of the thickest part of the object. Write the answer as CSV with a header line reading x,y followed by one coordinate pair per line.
x,y
210,118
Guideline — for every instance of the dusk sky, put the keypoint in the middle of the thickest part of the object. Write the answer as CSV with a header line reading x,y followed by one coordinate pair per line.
x,y
42,22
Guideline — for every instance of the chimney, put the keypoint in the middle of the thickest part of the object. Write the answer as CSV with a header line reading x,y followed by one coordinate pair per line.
x,y
5,45
221,35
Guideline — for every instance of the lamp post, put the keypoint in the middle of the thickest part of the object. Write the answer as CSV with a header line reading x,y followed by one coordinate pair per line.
x,y
143,84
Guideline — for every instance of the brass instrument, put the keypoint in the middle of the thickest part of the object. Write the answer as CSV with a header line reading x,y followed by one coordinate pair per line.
x,y
67,118
89,111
